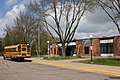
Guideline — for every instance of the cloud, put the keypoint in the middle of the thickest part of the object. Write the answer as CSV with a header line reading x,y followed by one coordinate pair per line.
x,y
96,23
97,17
10,2
9,17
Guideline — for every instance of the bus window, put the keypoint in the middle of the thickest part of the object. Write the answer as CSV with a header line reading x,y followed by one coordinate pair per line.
x,y
13,50
19,49
23,49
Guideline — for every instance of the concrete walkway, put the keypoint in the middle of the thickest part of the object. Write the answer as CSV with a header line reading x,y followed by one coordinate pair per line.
x,y
72,64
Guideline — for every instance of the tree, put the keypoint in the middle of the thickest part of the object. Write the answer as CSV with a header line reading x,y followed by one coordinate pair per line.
x,y
112,9
65,14
1,46
8,40
25,30
25,26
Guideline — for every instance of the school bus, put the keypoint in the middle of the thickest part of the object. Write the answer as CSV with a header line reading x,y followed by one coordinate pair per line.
x,y
19,51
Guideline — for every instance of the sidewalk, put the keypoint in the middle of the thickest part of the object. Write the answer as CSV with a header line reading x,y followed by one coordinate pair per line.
x,y
71,64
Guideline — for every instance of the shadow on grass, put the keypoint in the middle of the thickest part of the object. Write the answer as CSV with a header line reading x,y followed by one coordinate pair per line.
x,y
115,77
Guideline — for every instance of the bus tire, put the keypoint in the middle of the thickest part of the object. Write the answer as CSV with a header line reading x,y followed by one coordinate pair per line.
x,y
4,57
12,58
21,59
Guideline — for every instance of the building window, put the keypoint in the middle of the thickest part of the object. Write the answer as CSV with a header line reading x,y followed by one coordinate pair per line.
x,y
86,41
86,50
106,48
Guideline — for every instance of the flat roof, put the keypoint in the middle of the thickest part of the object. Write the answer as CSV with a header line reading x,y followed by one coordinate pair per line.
x,y
104,37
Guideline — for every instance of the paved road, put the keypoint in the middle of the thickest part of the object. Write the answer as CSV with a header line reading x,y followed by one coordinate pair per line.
x,y
27,70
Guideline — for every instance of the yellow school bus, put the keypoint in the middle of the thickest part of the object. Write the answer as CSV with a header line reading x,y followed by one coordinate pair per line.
x,y
19,51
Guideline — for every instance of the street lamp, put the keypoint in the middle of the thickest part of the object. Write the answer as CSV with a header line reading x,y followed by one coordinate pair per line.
x,y
91,47
48,42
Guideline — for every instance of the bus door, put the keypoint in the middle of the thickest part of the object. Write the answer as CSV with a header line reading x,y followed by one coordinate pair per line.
x,y
24,50
28,50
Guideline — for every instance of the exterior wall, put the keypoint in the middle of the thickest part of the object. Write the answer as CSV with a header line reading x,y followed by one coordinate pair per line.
x,y
96,47
80,48
117,46
54,49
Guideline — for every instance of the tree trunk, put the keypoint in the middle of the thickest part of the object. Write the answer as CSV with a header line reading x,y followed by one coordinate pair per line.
x,y
63,49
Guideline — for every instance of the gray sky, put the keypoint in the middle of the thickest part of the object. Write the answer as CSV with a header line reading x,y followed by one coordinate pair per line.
x,y
96,23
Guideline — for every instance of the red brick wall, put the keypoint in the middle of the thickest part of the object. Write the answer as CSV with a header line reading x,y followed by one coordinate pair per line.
x,y
96,47
80,48
117,46
54,49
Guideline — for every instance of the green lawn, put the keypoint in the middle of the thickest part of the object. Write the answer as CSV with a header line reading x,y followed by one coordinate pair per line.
x,y
107,61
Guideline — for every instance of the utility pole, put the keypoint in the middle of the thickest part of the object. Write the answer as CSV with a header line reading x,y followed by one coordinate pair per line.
x,y
38,40
48,42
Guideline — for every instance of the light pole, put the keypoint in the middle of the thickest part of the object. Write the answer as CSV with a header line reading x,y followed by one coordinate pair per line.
x,y
91,47
48,42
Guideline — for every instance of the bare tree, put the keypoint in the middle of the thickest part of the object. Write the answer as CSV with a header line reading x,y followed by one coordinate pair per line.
x,y
65,14
25,24
112,9
22,30
25,30
8,39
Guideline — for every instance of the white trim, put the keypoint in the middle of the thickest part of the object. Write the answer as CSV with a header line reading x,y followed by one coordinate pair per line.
x,y
106,41
107,54
59,44
70,44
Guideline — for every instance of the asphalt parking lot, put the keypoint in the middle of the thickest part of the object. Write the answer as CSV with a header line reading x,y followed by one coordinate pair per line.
x,y
28,70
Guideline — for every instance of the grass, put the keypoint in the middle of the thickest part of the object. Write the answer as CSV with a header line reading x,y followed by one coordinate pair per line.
x,y
60,57
107,61
33,55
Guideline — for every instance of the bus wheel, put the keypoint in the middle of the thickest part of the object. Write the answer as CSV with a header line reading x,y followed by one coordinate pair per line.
x,y
21,59
12,59
4,57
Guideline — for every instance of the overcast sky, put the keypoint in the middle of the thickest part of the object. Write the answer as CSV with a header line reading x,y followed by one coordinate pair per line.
x,y
96,23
